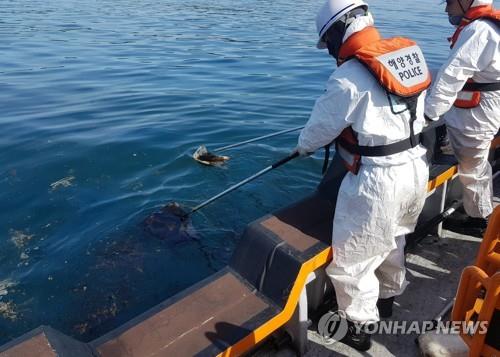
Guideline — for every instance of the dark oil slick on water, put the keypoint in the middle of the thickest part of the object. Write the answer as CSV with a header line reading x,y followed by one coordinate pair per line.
x,y
103,104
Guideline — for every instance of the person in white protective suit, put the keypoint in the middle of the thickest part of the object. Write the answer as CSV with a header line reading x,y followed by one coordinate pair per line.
x,y
373,107
467,91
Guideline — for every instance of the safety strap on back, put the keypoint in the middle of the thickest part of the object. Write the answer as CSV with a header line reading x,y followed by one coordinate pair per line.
x,y
481,87
388,149
470,95
382,150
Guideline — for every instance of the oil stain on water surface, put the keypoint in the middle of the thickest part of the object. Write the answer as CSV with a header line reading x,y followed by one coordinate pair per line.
x,y
103,104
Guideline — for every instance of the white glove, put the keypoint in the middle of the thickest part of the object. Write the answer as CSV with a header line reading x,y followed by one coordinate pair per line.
x,y
428,119
302,152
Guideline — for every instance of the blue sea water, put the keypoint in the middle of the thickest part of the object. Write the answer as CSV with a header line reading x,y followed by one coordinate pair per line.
x,y
102,103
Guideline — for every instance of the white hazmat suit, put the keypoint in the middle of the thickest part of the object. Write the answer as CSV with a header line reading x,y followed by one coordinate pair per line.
x,y
474,56
379,205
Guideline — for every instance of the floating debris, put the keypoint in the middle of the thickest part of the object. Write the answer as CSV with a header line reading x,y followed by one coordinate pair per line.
x,y
7,310
64,182
24,256
81,328
20,238
99,316
105,313
81,287
121,254
169,224
5,285
203,156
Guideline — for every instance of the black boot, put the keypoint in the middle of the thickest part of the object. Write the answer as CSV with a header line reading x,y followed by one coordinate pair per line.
x,y
384,307
460,222
359,340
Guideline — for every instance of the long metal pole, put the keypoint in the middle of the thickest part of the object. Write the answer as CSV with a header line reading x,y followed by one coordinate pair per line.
x,y
419,234
222,148
245,181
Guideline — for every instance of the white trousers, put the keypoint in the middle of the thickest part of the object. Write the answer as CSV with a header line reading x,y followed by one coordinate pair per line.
x,y
374,211
474,171
359,286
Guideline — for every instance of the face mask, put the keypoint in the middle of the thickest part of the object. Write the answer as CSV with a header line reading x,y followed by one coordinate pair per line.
x,y
334,38
455,20
333,48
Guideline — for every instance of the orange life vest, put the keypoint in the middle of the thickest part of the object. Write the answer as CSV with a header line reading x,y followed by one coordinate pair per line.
x,y
399,66
475,13
468,97
397,63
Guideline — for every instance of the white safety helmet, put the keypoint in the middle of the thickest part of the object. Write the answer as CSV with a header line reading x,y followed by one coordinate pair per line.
x,y
331,12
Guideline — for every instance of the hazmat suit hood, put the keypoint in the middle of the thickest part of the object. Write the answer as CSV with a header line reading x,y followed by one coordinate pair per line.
x,y
481,2
353,25
358,24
